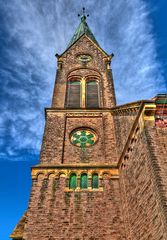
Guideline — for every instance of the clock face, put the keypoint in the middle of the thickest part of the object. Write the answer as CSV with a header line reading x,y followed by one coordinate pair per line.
x,y
83,138
84,58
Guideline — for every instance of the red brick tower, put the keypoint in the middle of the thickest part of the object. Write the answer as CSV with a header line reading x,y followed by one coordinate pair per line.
x,y
75,192
101,173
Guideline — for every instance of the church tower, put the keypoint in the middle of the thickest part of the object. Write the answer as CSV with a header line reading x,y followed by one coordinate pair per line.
x,y
75,192
97,164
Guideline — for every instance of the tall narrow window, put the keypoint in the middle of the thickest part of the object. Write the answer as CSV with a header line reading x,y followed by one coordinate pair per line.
x,y
84,181
73,181
95,180
92,94
73,96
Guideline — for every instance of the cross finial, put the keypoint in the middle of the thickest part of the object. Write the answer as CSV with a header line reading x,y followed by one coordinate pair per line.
x,y
83,15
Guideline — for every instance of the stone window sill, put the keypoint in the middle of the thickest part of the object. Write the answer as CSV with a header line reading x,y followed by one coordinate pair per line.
x,y
100,189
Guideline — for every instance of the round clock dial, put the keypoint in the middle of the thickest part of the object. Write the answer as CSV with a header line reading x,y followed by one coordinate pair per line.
x,y
84,58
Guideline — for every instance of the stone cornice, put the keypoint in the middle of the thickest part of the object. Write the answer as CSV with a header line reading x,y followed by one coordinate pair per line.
x,y
145,116
129,107
65,170
77,165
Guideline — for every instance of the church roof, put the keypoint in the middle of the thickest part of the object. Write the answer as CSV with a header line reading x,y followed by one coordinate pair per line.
x,y
82,29
19,229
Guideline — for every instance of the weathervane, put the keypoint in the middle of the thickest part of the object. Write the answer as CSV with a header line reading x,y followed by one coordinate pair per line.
x,y
83,14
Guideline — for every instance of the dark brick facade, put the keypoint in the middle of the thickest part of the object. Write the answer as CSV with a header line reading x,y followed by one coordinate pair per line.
x,y
141,190
59,214
130,158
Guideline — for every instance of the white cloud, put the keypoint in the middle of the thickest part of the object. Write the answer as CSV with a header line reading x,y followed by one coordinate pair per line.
x,y
37,30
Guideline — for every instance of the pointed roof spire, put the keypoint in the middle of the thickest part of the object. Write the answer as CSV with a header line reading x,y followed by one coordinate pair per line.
x,y
82,29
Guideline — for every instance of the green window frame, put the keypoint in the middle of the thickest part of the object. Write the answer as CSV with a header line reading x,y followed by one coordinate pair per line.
x,y
95,180
73,181
84,181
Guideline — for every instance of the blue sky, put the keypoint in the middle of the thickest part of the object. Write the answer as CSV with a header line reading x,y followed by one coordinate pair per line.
x,y
31,32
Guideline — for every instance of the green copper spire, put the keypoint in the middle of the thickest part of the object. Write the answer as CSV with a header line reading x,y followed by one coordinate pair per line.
x,y
82,29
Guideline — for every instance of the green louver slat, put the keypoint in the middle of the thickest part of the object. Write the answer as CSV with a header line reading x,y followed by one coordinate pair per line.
x,y
84,181
92,96
73,181
95,181
73,99
164,101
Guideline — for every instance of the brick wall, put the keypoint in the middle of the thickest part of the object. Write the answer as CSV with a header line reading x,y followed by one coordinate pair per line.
x,y
54,213
123,123
56,145
104,151
141,195
157,142
94,154
53,139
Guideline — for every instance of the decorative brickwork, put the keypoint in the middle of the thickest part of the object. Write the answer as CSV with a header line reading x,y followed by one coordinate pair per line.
x,y
124,117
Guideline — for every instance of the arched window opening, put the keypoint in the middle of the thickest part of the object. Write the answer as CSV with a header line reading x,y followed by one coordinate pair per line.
x,y
73,95
73,181
84,181
92,94
95,180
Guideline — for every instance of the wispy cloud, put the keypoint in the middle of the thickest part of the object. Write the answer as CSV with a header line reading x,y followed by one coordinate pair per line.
x,y
33,31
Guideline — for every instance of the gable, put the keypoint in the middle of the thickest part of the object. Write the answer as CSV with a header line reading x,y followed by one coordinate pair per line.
x,y
79,41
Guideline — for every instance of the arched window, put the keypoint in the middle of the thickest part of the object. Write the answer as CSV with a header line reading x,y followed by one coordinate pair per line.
x,y
73,181
84,181
95,180
73,94
92,94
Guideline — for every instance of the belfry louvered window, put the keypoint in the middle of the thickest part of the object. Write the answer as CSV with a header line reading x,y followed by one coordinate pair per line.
x,y
73,181
84,181
95,180
83,93
73,95
92,96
